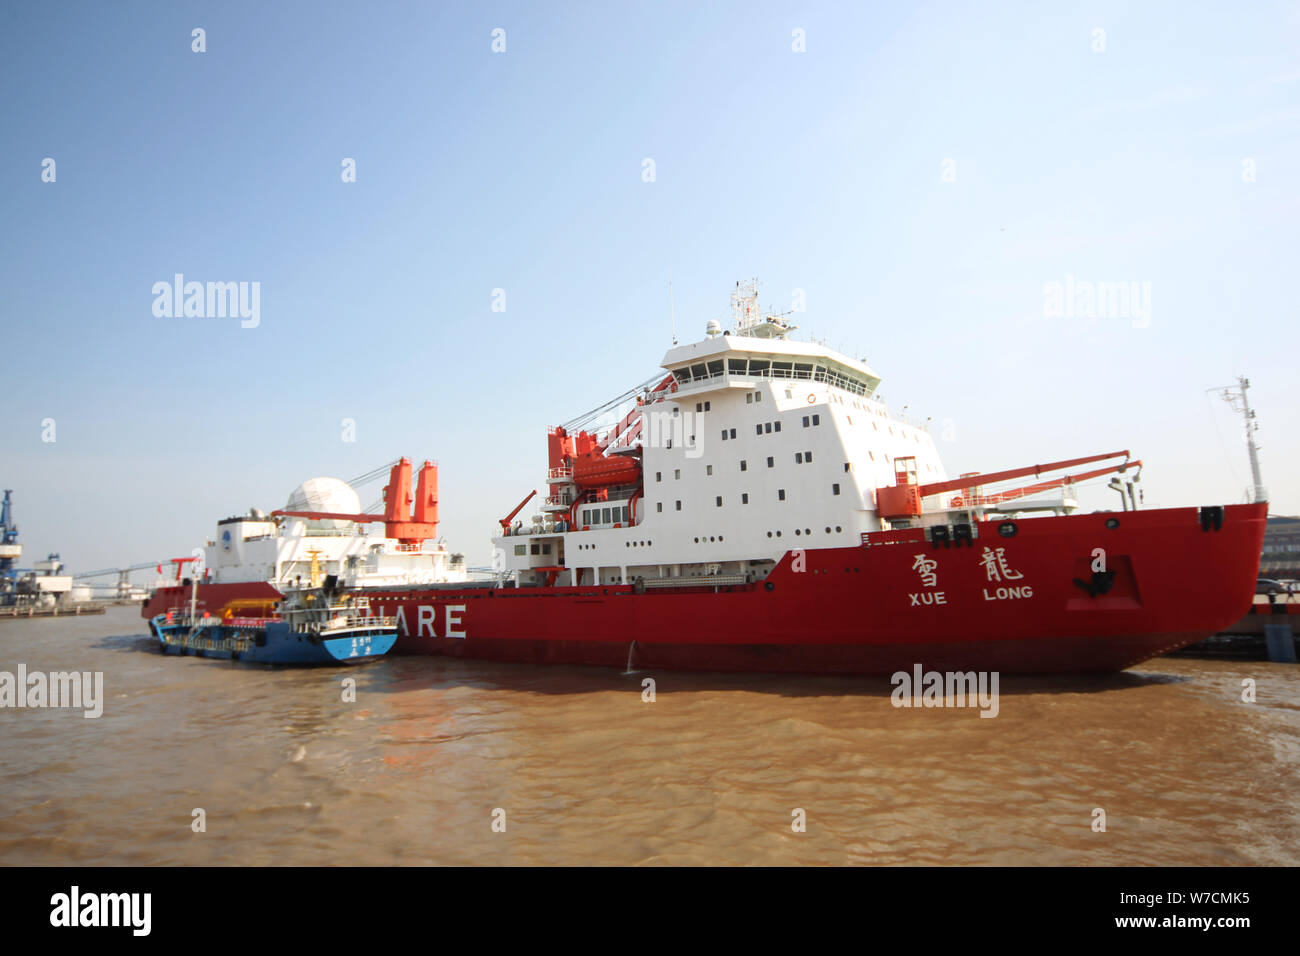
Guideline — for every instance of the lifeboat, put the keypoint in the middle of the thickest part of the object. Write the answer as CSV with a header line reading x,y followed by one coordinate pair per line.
x,y
600,472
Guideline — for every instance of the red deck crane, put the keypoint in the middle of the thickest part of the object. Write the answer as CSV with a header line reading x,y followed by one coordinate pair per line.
x,y
410,528
903,499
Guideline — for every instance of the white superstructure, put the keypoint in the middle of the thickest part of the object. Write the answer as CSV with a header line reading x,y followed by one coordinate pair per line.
x,y
755,446
255,547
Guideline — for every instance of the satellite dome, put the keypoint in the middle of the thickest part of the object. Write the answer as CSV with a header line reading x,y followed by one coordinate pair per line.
x,y
326,495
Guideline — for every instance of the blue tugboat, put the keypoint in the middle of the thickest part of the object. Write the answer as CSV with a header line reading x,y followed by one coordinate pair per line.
x,y
310,627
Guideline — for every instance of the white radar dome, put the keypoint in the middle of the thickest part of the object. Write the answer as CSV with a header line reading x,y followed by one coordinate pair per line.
x,y
325,495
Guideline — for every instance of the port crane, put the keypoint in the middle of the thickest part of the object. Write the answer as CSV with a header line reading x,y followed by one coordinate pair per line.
x,y
10,552
123,574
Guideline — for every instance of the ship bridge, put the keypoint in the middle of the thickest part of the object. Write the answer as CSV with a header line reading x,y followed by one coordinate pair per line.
x,y
725,361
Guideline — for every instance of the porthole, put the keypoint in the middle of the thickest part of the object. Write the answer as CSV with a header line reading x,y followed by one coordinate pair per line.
x,y
1008,529
1112,523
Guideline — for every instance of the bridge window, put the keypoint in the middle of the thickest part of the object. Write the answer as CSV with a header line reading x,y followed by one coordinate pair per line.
x,y
679,505
744,465
719,499
769,461
708,469
659,506
780,494
835,489
521,550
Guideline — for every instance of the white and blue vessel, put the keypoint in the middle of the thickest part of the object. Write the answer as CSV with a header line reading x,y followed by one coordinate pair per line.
x,y
310,627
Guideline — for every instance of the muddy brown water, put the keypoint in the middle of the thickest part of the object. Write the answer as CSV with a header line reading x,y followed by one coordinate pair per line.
x,y
585,771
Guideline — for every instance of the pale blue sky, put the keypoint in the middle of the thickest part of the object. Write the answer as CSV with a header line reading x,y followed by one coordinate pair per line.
x,y
818,171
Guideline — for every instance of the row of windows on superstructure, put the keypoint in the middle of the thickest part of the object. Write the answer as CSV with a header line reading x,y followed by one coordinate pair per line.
x,y
805,531
626,544
744,499
808,420
605,515
781,367
522,549
800,458
801,532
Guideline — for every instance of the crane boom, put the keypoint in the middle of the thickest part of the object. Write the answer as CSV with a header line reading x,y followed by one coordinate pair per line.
x,y
939,487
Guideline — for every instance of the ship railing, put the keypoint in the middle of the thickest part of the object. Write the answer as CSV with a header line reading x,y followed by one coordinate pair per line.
x,y
782,374
564,471
347,621
181,615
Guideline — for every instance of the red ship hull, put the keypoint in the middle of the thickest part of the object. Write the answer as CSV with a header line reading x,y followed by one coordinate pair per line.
x,y
1176,576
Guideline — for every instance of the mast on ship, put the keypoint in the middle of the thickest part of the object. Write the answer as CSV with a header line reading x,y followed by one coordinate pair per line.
x,y
1237,398
748,319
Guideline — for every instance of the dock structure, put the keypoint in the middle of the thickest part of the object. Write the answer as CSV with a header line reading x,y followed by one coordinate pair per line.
x,y
1279,635
1266,631
32,610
